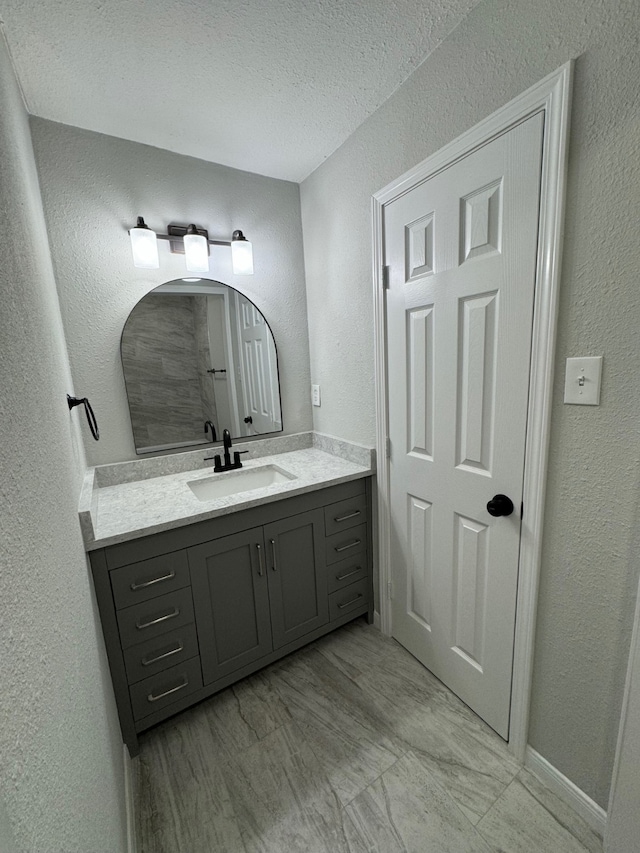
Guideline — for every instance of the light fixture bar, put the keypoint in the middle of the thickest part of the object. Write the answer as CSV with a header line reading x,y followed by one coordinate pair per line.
x,y
175,236
179,247
241,249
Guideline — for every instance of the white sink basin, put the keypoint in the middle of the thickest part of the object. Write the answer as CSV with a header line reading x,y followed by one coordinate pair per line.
x,y
235,482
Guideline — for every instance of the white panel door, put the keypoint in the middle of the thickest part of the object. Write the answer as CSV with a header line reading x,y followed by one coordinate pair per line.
x,y
461,249
259,371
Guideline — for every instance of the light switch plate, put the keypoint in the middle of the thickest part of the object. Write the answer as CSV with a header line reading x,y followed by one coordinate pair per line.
x,y
315,395
582,381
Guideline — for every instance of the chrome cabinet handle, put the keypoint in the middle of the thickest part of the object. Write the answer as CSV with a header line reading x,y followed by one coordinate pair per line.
x,y
148,661
141,625
353,601
135,586
260,560
340,518
273,552
350,545
348,574
152,698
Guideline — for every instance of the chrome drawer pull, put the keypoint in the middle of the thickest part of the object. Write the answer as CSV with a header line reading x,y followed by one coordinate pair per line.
x,y
350,545
147,661
348,574
152,698
340,518
141,625
353,601
135,586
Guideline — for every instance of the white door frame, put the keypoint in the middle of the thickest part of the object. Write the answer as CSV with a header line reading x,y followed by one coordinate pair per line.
x,y
551,95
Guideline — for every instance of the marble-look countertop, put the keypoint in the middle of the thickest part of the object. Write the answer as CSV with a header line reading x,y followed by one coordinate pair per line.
x,y
117,513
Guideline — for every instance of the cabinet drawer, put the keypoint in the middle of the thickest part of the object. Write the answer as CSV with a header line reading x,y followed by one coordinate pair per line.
x,y
345,514
347,572
344,544
350,598
149,578
160,653
161,690
153,618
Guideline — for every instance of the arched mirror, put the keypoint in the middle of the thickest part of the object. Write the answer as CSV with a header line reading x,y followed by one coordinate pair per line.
x,y
198,357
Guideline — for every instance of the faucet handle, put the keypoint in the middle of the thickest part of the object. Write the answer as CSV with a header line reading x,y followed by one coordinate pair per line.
x,y
236,457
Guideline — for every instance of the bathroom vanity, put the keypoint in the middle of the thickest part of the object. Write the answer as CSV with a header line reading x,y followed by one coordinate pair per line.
x,y
196,593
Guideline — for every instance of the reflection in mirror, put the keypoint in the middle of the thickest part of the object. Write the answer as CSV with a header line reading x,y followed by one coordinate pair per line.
x,y
198,357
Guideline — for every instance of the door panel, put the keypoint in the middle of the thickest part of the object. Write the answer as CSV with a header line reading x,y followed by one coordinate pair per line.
x,y
229,581
297,576
461,250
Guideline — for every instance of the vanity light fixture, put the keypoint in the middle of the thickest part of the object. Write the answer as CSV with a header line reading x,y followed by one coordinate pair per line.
x,y
193,243
196,251
144,246
241,254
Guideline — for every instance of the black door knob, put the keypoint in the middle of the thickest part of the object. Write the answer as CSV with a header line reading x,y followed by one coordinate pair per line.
x,y
248,420
500,505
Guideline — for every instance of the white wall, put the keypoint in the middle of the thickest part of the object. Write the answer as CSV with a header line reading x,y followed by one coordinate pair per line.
x,y
61,775
500,50
93,187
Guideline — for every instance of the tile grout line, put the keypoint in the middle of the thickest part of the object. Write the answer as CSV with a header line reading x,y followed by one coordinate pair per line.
x,y
486,811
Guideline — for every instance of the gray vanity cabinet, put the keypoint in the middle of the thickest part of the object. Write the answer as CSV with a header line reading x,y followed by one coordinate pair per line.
x,y
231,601
188,611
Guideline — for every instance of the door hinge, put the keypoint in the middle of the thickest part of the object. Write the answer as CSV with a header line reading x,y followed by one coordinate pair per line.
x,y
390,590
387,448
385,278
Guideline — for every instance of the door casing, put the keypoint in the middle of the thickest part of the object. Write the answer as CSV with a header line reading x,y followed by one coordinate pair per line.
x,y
553,96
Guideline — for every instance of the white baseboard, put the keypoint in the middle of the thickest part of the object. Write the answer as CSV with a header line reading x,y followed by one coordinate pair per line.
x,y
564,788
376,620
129,800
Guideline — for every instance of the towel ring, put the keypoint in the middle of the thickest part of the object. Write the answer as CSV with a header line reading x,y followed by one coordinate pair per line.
x,y
91,418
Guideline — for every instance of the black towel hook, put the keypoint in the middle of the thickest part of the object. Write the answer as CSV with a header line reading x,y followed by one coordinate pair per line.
x,y
91,418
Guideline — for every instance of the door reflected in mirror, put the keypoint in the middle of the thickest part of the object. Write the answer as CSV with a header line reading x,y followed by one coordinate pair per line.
x,y
198,357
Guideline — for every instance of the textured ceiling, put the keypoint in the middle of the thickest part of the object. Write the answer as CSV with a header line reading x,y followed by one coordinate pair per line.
x,y
271,86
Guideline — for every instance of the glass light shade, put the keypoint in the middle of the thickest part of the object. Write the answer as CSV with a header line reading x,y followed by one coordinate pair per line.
x,y
196,253
241,255
144,246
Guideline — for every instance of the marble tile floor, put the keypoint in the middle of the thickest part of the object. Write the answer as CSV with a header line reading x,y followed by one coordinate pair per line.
x,y
347,746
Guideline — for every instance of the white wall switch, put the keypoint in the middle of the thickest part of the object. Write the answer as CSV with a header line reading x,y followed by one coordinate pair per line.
x,y
315,395
582,381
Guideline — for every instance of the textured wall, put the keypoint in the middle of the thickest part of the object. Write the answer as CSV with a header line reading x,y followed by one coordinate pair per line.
x,y
93,187
588,573
61,774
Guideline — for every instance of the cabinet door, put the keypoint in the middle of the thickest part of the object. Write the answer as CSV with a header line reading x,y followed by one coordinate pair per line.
x,y
231,601
297,576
